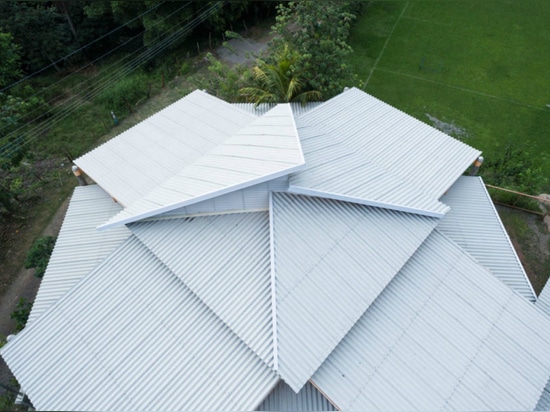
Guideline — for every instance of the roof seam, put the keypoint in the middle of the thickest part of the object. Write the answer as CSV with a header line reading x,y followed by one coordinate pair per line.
x,y
273,285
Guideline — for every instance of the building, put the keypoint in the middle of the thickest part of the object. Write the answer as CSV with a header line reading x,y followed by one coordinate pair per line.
x,y
303,258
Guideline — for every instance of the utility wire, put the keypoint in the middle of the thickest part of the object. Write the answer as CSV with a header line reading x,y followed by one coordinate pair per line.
x,y
80,49
95,89
37,109
74,97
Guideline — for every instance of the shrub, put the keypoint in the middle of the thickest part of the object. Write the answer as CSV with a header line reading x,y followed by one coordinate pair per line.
x,y
125,94
21,313
39,255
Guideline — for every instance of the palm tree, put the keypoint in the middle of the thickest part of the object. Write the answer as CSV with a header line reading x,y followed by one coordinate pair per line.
x,y
275,83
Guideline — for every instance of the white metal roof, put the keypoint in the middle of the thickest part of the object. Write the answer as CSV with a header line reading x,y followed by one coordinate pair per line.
x,y
266,149
400,158
131,336
283,398
474,224
543,301
445,334
225,261
138,160
331,260
79,247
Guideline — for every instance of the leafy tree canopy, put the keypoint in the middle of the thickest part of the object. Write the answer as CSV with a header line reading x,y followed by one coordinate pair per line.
x,y
317,30
276,83
10,66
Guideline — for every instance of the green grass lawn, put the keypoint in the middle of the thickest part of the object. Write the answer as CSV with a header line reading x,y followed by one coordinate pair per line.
x,y
480,65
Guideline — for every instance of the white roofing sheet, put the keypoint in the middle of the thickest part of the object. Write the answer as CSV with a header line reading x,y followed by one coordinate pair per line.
x,y
338,171
297,108
391,144
543,301
131,336
253,198
283,398
473,223
79,247
544,400
445,334
225,261
137,161
331,260
266,149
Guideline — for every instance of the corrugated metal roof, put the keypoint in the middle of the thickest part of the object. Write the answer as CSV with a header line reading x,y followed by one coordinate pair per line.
x,y
131,336
474,224
252,198
404,161
225,261
543,301
283,398
79,247
330,251
445,334
266,149
544,400
297,108
138,160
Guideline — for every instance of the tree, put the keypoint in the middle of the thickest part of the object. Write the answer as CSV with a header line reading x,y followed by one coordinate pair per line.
x,y
10,66
317,31
47,41
276,83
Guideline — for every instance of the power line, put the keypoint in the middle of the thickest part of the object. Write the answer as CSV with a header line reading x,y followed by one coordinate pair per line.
x,y
80,49
87,65
95,89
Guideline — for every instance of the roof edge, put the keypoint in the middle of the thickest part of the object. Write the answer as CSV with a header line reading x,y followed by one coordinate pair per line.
x,y
206,196
299,190
492,205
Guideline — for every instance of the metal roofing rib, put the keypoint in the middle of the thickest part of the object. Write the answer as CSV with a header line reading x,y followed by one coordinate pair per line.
x,y
79,247
225,261
266,149
401,160
134,333
330,251
135,162
473,223
283,398
445,334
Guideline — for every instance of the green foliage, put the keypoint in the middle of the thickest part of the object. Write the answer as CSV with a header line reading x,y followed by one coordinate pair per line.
x,y
126,93
516,169
10,66
222,81
21,313
276,83
49,39
317,31
38,255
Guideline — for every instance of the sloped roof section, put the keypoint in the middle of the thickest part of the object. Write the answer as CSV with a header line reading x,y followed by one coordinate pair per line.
x,y
225,261
543,301
140,159
400,162
283,398
134,334
331,260
445,334
266,149
79,247
473,223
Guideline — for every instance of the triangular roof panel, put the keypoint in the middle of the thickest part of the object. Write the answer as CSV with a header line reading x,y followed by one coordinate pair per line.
x,y
266,149
331,260
399,162
445,334
225,261
130,336
138,160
